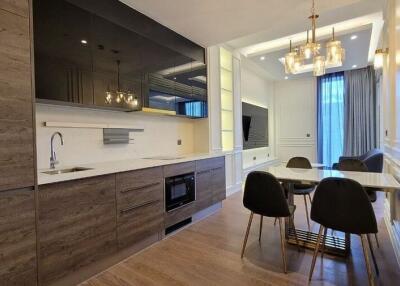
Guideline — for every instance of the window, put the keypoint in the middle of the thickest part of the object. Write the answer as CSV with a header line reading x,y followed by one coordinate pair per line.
x,y
330,118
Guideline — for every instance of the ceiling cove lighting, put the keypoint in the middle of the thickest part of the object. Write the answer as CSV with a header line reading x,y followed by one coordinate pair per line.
x,y
296,57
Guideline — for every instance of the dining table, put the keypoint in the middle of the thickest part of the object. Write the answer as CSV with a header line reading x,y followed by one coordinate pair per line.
x,y
334,243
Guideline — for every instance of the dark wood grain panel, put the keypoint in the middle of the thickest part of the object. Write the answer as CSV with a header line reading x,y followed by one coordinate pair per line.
x,y
204,191
77,225
138,187
16,124
179,169
17,238
19,7
139,223
179,214
208,164
218,184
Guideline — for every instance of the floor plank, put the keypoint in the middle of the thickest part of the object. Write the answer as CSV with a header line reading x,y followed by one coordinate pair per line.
x,y
208,253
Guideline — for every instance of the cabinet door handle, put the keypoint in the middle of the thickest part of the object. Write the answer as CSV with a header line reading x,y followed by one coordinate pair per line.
x,y
203,172
134,207
215,169
139,188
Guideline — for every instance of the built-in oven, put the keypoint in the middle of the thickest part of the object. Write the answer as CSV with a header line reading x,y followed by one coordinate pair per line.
x,y
179,191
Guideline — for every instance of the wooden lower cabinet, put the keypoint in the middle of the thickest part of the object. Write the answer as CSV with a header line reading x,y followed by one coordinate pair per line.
x,y
77,225
210,182
17,238
140,205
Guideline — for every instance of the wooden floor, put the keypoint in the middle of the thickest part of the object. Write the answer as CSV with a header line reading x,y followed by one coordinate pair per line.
x,y
208,253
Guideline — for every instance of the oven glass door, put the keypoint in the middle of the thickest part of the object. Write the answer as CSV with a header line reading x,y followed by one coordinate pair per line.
x,y
179,191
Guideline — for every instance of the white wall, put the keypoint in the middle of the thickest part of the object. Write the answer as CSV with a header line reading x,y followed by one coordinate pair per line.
x,y
85,145
296,118
258,90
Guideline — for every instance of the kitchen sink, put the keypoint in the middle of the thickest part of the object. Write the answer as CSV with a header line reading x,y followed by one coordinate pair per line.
x,y
63,171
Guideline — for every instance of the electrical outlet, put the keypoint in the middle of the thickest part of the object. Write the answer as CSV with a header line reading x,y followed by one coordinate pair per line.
x,y
268,155
179,142
254,158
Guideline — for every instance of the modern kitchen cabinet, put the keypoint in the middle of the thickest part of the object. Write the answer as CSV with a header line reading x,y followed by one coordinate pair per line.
x,y
210,182
17,237
16,110
140,210
77,225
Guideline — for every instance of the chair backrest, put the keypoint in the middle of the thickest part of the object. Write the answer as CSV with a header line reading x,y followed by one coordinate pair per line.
x,y
299,162
352,165
374,161
264,195
342,204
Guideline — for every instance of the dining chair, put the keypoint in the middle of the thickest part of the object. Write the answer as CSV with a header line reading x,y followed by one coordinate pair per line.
x,y
357,165
264,196
343,205
302,189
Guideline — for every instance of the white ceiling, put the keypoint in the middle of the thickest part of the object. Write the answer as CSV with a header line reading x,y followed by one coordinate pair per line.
x,y
356,54
210,22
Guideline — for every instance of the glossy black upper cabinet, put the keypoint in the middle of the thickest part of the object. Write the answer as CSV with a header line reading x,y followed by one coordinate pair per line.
x,y
117,59
104,54
63,61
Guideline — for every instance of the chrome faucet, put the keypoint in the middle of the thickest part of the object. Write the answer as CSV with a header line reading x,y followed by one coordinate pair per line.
x,y
53,158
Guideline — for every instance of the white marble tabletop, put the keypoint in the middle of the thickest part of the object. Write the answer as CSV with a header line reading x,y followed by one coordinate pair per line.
x,y
375,180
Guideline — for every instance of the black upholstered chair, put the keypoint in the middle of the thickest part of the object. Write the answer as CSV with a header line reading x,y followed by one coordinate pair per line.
x,y
342,204
302,189
264,196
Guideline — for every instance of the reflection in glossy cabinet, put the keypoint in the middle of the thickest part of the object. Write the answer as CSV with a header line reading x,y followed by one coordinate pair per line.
x,y
18,237
77,225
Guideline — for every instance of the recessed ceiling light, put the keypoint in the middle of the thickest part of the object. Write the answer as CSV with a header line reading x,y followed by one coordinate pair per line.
x,y
354,37
286,77
262,58
83,42
354,66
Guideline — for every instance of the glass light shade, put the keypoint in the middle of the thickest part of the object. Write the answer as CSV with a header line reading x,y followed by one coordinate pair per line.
x,y
319,65
298,63
135,102
309,50
334,53
120,97
108,97
289,62
379,57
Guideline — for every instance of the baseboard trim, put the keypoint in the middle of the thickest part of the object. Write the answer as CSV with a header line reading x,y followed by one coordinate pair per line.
x,y
394,233
233,189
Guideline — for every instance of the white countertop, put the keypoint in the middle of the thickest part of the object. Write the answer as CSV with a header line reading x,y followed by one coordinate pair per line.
x,y
111,167
367,179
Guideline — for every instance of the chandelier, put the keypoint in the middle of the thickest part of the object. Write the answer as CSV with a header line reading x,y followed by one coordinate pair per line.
x,y
119,96
295,59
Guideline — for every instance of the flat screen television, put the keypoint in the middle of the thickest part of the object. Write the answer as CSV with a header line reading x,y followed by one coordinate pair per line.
x,y
255,126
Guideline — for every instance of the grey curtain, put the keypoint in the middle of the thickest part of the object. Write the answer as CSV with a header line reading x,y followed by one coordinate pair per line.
x,y
360,130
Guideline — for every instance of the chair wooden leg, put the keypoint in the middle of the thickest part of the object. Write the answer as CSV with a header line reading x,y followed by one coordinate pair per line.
x,y
377,241
247,234
281,231
261,224
309,197
308,219
291,219
315,252
323,242
373,255
365,250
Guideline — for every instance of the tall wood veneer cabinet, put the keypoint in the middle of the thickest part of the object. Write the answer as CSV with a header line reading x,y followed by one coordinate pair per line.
x,y
17,172
16,121
77,225
17,238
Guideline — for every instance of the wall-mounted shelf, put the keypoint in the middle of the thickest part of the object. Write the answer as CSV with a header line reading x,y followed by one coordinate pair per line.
x,y
91,125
